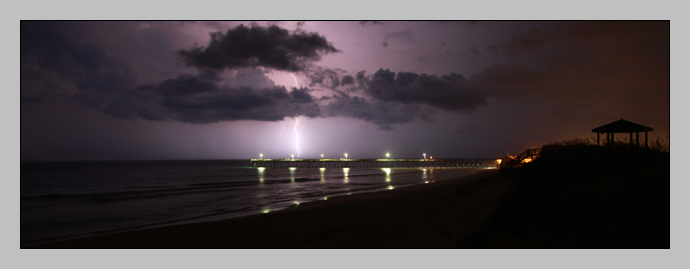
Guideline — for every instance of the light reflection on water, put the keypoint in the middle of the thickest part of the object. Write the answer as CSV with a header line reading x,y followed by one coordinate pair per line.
x,y
292,174
345,175
388,174
186,192
261,175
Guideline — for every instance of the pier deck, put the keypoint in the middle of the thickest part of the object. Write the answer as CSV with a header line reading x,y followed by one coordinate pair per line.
x,y
375,163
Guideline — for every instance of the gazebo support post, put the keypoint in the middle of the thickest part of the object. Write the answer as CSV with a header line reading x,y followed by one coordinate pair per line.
x,y
597,138
645,140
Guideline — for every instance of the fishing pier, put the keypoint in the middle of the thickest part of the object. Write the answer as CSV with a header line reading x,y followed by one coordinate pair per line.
x,y
376,163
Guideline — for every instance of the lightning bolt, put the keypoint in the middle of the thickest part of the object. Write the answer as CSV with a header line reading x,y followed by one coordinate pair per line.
x,y
296,121
293,77
296,134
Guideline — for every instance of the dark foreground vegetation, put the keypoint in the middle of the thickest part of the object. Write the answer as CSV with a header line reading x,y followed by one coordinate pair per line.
x,y
578,195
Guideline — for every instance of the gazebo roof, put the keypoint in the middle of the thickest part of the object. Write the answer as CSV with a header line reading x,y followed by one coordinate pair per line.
x,y
622,126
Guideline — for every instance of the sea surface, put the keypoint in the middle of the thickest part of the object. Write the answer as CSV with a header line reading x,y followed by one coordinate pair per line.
x,y
64,200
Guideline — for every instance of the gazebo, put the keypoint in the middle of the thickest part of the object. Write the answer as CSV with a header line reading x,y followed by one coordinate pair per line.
x,y
622,126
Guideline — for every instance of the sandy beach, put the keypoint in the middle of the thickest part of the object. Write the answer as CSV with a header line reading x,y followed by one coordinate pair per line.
x,y
441,214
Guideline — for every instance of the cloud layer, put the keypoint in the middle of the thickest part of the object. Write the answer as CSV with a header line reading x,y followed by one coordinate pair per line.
x,y
568,63
255,46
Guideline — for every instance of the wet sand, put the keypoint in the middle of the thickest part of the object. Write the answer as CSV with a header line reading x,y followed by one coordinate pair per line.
x,y
441,214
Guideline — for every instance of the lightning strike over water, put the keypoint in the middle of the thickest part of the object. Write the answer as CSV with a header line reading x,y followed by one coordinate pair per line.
x,y
296,134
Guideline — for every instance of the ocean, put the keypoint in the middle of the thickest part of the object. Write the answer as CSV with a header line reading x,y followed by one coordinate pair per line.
x,y
65,200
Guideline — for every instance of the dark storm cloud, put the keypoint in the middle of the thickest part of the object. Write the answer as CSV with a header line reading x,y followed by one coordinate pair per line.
x,y
566,62
270,47
52,47
336,79
347,80
382,114
570,63
55,54
196,99
325,77
451,92
386,90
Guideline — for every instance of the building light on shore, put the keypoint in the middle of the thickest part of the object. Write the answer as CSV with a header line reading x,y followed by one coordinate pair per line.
x,y
266,211
498,161
390,187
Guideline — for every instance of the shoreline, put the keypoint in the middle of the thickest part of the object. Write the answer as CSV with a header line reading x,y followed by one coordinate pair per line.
x,y
361,220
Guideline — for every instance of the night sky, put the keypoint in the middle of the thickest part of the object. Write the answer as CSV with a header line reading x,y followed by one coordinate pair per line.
x,y
130,90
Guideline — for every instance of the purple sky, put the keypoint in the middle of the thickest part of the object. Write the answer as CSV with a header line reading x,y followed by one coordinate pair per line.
x,y
225,90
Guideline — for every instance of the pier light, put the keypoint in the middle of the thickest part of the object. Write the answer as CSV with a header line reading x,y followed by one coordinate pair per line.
x,y
424,155
293,156
261,155
388,155
346,156
321,156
